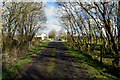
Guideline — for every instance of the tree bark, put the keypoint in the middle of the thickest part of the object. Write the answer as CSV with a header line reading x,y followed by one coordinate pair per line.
x,y
118,24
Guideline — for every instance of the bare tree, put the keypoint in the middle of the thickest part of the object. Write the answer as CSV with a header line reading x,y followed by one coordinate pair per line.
x,y
91,21
52,34
20,23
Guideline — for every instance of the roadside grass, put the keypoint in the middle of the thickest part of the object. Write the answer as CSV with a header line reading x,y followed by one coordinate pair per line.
x,y
96,55
10,72
92,67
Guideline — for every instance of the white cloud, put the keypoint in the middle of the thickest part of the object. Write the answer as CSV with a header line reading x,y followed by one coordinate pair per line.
x,y
52,22
50,11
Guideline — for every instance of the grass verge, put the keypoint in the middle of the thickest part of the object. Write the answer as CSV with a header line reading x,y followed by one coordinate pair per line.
x,y
92,67
10,72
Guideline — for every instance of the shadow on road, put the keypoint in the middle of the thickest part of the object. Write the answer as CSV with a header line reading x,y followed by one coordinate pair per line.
x,y
52,63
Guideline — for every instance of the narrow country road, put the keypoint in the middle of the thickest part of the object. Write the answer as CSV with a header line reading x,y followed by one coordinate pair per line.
x,y
52,63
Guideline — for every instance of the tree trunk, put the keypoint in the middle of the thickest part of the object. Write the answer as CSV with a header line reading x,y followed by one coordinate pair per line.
x,y
1,40
118,24
111,38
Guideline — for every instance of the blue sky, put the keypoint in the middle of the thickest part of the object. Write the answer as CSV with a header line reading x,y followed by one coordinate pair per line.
x,y
51,4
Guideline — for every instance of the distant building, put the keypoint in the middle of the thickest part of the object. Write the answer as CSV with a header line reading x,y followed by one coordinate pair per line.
x,y
41,35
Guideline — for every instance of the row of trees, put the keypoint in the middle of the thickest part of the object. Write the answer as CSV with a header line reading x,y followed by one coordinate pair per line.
x,y
52,34
92,24
59,35
20,22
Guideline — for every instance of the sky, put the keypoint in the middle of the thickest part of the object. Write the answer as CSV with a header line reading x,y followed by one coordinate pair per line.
x,y
52,20
51,15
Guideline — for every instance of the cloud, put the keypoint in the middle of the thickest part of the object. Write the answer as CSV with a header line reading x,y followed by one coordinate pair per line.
x,y
52,20
50,11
